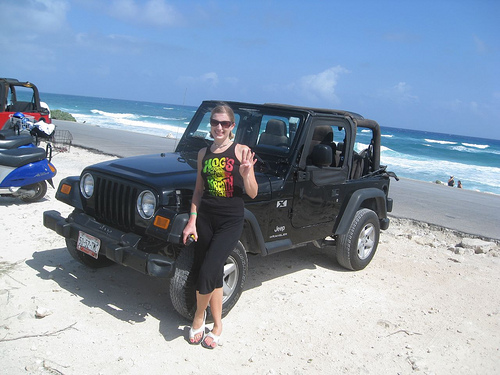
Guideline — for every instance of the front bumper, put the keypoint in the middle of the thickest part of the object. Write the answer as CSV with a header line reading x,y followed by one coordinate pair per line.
x,y
120,247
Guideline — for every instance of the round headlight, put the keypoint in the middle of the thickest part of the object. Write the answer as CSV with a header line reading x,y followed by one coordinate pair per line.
x,y
146,204
87,185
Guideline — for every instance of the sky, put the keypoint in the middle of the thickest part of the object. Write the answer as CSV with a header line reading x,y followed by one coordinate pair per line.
x,y
424,65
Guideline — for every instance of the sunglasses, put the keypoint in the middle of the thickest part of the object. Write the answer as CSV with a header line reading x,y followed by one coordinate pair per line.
x,y
224,124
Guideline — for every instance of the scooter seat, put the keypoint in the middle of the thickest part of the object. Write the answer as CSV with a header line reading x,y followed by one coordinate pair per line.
x,y
18,157
15,141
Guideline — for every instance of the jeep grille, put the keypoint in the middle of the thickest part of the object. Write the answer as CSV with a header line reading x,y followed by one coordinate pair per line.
x,y
115,203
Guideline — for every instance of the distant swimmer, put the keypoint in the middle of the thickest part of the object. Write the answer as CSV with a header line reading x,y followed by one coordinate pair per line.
x,y
451,181
459,184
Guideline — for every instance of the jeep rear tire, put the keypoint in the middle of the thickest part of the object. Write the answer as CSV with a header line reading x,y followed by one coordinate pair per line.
x,y
183,283
356,248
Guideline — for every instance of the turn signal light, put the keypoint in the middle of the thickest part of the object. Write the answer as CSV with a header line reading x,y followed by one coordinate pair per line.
x,y
161,222
65,188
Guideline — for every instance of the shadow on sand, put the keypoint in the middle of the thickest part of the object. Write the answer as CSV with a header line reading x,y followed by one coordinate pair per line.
x,y
130,296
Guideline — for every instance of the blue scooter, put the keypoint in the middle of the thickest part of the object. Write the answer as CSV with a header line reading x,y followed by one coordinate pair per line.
x,y
24,172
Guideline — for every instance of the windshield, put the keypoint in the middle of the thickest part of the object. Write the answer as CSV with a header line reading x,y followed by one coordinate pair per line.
x,y
265,130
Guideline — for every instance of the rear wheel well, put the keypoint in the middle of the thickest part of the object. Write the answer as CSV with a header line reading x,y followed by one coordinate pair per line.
x,y
371,204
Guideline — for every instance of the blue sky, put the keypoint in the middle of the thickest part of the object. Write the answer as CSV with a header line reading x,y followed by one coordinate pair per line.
x,y
428,65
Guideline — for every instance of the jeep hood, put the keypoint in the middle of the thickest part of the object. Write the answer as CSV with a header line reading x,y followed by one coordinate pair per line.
x,y
161,170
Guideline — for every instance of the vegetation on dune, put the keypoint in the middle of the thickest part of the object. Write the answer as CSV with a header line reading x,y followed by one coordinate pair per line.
x,y
57,114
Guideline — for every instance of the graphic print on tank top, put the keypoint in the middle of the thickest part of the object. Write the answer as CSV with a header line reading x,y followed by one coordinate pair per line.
x,y
219,176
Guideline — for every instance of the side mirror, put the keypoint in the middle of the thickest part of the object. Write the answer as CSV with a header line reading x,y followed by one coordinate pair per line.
x,y
322,156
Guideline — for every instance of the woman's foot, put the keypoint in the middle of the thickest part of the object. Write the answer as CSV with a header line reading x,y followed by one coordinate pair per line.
x,y
211,340
196,334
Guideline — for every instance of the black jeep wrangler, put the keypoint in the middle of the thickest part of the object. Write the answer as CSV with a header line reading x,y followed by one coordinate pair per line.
x,y
320,182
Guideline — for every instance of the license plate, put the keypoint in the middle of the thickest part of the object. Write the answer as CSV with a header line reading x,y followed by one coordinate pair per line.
x,y
88,244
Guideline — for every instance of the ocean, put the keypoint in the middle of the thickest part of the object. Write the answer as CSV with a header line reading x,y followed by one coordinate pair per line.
x,y
414,154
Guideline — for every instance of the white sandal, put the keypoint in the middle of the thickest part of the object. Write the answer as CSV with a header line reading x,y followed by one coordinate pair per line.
x,y
194,332
215,339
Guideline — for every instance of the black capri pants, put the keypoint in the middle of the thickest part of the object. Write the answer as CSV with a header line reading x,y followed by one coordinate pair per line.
x,y
217,237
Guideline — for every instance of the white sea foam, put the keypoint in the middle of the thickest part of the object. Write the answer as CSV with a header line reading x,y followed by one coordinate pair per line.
x,y
131,122
466,149
473,177
482,147
387,135
114,115
440,142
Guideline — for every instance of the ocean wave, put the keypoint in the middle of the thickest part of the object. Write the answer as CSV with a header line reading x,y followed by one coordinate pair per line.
x,y
482,147
164,118
473,177
135,125
387,135
114,115
358,146
465,149
440,142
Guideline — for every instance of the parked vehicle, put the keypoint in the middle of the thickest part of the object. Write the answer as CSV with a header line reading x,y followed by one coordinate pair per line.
x,y
20,97
25,171
320,182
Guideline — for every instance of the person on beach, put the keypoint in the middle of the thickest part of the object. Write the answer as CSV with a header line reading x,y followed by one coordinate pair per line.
x,y
451,181
216,220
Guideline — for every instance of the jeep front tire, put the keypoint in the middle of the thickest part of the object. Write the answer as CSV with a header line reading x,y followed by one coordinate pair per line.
x,y
183,283
356,248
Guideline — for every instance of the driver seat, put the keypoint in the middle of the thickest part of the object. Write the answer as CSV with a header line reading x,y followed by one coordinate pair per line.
x,y
275,134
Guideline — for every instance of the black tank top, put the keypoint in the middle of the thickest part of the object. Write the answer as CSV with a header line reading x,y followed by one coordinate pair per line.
x,y
222,182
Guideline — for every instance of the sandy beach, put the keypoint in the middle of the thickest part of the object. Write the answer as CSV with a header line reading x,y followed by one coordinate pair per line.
x,y
428,303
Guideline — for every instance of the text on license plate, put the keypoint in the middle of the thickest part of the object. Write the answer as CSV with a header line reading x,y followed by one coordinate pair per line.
x,y
88,244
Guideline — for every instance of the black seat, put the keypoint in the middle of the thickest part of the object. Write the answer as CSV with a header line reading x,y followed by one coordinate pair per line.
x,y
323,135
275,134
16,141
328,141
18,157
21,107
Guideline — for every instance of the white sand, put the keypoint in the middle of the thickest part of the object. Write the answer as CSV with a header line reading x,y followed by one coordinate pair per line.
x,y
419,306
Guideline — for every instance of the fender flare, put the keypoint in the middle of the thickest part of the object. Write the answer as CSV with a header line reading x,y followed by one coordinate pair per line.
x,y
255,231
355,203
73,198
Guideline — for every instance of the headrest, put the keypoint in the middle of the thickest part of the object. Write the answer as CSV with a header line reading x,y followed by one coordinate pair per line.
x,y
276,127
320,132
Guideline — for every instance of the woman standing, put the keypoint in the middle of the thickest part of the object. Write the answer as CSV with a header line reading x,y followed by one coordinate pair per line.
x,y
216,220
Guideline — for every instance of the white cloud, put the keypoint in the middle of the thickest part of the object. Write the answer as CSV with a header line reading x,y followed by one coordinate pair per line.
x,y
212,79
155,13
319,87
401,92
109,44
27,26
32,17
207,80
481,46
